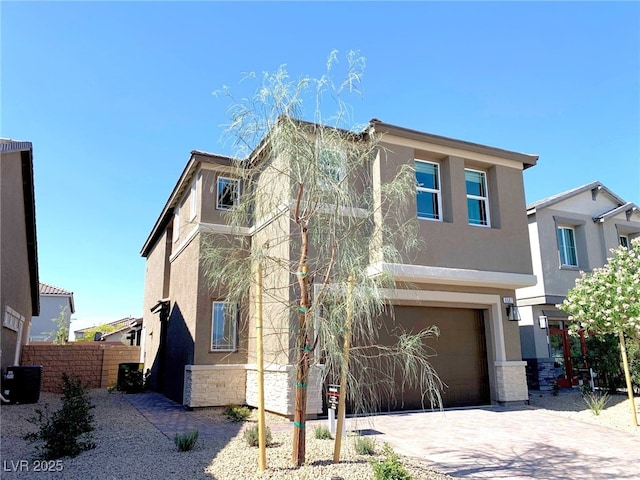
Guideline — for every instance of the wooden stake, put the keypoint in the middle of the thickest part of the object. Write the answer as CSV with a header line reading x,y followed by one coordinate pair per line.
x,y
262,443
345,370
627,377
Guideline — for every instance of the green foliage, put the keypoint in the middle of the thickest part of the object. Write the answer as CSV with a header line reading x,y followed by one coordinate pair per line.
x,y
596,401
251,435
91,332
65,432
322,433
633,352
603,355
364,445
607,300
186,441
133,380
236,413
61,334
390,468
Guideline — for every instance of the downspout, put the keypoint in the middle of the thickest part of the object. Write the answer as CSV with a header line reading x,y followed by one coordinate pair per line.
x,y
18,342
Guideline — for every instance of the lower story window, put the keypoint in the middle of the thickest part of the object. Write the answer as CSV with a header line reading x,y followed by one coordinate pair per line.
x,y
224,326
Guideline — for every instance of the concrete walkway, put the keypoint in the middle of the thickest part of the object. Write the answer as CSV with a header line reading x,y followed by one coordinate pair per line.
x,y
492,442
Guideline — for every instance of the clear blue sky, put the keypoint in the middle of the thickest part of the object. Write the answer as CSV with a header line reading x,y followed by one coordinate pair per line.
x,y
115,95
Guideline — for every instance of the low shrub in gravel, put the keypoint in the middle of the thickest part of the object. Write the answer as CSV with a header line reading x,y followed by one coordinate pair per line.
x,y
67,431
390,468
364,445
596,401
186,441
251,436
322,433
236,413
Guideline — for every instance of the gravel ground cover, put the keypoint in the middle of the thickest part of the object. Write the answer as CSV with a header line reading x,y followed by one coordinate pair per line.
x,y
129,447
571,404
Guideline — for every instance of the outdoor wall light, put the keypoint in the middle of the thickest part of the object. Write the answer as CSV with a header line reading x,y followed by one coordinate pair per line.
x,y
512,313
542,321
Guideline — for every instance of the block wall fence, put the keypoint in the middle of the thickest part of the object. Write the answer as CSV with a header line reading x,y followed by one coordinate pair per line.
x,y
95,363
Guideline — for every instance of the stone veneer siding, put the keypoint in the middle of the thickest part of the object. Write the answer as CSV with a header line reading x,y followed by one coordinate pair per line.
x,y
511,381
214,385
219,385
280,391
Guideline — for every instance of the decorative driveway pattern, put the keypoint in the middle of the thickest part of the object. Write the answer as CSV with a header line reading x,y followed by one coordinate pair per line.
x,y
491,442
513,443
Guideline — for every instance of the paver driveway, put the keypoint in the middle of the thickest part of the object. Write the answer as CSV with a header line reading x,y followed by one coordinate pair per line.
x,y
513,443
491,442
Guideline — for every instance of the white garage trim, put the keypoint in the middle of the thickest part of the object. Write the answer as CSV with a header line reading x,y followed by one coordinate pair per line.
x,y
458,300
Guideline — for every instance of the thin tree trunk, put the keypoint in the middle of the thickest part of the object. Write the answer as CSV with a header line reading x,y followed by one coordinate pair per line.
x,y
627,377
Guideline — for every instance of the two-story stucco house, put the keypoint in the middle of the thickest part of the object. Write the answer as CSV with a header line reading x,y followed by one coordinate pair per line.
x,y
570,232
19,297
52,301
469,201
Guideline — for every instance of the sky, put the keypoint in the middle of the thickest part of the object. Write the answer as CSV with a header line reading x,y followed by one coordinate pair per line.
x,y
115,95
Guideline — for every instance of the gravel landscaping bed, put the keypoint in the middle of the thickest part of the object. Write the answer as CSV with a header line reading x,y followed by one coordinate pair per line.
x,y
129,447
571,404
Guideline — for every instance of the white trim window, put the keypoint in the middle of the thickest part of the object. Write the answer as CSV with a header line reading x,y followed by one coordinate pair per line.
x,y
332,164
193,200
224,327
624,241
428,197
228,193
176,224
567,247
477,197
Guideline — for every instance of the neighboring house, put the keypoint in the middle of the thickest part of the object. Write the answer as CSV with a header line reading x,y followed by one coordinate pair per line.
x,y
569,232
476,254
127,330
19,299
52,301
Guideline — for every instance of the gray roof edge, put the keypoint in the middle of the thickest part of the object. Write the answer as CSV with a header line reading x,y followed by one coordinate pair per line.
x,y
558,197
9,146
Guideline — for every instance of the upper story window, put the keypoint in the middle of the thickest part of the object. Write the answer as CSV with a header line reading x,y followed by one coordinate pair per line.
x,y
428,198
332,164
176,224
567,247
477,198
228,193
624,241
224,327
193,200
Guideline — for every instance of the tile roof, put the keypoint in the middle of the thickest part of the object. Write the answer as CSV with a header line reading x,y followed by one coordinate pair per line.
x,y
46,289
558,197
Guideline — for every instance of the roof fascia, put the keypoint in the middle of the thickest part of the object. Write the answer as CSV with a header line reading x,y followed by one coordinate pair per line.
x,y
526,159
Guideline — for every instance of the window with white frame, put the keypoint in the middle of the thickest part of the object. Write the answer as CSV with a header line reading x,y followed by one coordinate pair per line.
x,y
567,247
176,224
228,193
477,197
624,241
332,164
193,200
224,327
428,198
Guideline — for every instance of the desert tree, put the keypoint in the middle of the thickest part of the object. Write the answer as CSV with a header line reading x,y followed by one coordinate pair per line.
x,y
319,217
607,301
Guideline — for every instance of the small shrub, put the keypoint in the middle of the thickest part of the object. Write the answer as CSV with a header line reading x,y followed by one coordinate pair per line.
x,y
365,445
251,436
186,441
65,432
390,468
133,380
596,401
322,433
236,413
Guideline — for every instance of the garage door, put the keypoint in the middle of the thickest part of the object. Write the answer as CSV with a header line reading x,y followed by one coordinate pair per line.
x,y
461,359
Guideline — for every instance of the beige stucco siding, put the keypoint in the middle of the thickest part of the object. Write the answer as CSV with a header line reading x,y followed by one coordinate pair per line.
x,y
16,292
453,242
